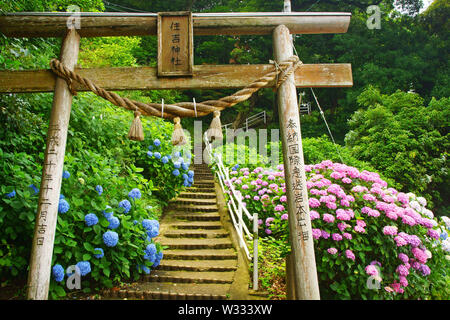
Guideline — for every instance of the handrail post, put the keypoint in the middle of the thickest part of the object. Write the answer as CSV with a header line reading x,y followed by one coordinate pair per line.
x,y
255,251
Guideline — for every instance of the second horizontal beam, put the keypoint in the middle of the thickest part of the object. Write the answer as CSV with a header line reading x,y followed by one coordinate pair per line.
x,y
205,77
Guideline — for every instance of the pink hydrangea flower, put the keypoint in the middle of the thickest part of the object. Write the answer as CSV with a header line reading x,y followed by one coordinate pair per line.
x,y
268,231
403,257
244,187
332,251
328,218
402,270
371,270
350,255
283,199
433,233
400,241
316,233
369,197
314,215
374,213
420,255
390,230
256,198
342,215
284,216
279,207
403,281
331,205
325,234
347,236
313,202
336,237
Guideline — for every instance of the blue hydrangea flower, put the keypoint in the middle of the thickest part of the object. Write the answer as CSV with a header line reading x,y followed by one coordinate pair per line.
x,y
444,235
91,219
190,180
150,154
177,154
66,174
185,176
188,155
159,257
150,249
135,222
61,196
114,222
235,167
165,159
150,257
126,205
150,148
110,238
153,232
157,155
63,206
186,183
191,174
58,272
107,213
99,255
149,224
156,142
146,269
169,156
135,194
184,166
176,172
99,189
177,165
35,189
12,194
84,266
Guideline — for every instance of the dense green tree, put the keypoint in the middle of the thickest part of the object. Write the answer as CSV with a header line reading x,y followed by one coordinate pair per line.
x,y
406,140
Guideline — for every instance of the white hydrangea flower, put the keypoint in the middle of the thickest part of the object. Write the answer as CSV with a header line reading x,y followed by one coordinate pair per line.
x,y
422,201
415,205
428,213
411,195
446,221
428,253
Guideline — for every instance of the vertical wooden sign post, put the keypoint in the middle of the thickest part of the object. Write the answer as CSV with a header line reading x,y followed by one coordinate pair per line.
x,y
47,214
175,44
302,248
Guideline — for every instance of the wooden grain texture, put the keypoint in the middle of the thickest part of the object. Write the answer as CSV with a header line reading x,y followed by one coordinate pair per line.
x,y
205,77
34,25
175,44
300,233
47,213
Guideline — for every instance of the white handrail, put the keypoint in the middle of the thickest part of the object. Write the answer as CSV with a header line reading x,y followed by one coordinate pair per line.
x,y
236,210
249,121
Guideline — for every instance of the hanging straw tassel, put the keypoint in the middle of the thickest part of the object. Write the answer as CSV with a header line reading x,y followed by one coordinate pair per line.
x,y
215,129
136,132
178,137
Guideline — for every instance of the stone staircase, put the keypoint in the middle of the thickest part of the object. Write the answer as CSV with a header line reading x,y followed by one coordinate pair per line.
x,y
200,262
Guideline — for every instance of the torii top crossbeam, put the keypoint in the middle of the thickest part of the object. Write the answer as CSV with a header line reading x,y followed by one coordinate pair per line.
x,y
95,24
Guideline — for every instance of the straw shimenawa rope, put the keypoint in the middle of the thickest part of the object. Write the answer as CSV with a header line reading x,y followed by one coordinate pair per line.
x,y
182,109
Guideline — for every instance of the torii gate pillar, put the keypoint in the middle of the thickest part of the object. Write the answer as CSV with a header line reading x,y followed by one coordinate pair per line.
x,y
305,283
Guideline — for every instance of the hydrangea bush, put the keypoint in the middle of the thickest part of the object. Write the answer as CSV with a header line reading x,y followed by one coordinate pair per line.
x,y
371,241
104,233
168,168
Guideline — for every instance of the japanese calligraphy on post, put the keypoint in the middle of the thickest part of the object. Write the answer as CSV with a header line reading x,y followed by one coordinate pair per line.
x,y
175,44
297,184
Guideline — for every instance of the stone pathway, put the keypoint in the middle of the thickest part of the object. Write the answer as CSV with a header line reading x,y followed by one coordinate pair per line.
x,y
201,261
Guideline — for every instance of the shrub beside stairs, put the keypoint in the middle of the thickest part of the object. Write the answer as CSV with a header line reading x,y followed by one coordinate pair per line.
x,y
201,261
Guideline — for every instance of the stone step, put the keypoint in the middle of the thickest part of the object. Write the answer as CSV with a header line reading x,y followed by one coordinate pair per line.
x,y
189,201
210,234
205,225
195,195
193,207
196,216
199,265
176,291
200,254
190,276
194,244
202,189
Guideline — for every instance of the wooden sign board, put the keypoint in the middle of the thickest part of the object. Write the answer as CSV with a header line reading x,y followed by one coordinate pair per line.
x,y
175,44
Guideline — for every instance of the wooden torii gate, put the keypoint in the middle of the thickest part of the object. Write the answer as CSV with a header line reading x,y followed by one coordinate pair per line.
x,y
280,25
